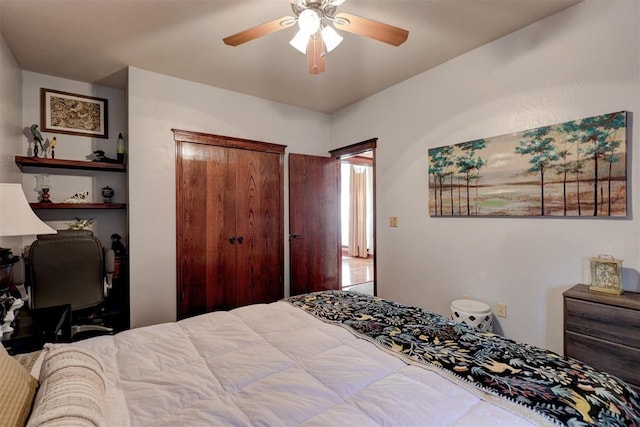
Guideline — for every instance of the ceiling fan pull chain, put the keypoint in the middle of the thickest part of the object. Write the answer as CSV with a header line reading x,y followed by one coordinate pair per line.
x,y
315,44
313,64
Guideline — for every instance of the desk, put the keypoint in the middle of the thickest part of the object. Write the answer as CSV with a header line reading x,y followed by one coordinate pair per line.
x,y
34,328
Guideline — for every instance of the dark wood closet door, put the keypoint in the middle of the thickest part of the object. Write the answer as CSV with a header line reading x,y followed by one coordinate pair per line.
x,y
229,222
313,223
208,222
258,231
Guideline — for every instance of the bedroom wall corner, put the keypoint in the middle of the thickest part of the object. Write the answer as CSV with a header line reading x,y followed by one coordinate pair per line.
x,y
10,113
10,125
582,61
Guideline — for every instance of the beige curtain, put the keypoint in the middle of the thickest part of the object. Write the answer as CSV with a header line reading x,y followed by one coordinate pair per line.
x,y
358,212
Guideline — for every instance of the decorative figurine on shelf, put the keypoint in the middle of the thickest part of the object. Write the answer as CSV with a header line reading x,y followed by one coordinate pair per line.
x,y
52,146
107,194
100,157
117,246
80,224
78,198
37,138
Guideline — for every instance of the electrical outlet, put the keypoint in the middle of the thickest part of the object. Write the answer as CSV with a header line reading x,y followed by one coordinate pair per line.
x,y
501,309
393,221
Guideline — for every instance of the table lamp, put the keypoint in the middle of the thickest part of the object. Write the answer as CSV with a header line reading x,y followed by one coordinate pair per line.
x,y
16,219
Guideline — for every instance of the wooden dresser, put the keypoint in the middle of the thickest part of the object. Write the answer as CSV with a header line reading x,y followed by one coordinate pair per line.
x,y
603,331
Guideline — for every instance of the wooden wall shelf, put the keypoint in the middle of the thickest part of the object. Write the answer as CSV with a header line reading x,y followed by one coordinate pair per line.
x,y
78,205
38,162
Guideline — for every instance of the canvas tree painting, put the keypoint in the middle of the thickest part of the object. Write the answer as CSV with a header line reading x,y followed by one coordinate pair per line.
x,y
571,169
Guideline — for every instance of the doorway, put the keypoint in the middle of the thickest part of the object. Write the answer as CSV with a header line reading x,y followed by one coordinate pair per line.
x,y
315,244
357,217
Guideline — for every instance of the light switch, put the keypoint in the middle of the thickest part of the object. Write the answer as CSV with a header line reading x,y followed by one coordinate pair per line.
x,y
393,221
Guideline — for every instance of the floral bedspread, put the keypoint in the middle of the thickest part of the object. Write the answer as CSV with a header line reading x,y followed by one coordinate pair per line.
x,y
565,391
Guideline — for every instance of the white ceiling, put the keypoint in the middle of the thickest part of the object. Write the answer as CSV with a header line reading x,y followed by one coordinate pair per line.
x,y
94,40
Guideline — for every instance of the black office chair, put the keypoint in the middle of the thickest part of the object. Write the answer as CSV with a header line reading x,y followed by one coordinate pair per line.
x,y
71,267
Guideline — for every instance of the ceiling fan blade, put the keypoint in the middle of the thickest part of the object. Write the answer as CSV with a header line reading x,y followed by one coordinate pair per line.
x,y
369,28
315,55
260,30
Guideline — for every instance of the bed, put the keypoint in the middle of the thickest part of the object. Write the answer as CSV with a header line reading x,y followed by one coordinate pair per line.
x,y
321,359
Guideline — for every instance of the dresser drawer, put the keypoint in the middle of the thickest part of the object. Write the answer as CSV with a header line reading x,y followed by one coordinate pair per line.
x,y
616,359
616,324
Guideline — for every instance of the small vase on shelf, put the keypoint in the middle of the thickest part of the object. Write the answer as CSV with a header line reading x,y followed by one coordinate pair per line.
x,y
44,196
43,186
107,194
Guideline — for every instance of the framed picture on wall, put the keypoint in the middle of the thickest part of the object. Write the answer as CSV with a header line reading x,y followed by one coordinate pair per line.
x,y
63,112
572,169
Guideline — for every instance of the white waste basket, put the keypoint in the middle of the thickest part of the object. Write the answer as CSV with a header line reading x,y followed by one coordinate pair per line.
x,y
474,313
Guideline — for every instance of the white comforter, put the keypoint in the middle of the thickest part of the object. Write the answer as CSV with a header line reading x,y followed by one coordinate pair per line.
x,y
275,365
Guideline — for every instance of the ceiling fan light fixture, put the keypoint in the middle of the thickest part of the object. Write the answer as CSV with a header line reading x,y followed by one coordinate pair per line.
x,y
331,38
318,21
309,21
300,41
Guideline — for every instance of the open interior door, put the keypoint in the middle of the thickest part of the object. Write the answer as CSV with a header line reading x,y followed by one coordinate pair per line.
x,y
313,223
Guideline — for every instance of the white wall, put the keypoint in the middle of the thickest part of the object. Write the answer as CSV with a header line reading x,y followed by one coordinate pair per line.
x,y
10,124
71,147
10,113
581,62
158,103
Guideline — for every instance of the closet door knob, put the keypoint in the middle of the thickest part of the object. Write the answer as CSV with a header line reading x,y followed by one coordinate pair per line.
x,y
232,240
240,239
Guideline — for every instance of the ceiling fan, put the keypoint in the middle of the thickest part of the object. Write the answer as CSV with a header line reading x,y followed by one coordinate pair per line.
x,y
317,36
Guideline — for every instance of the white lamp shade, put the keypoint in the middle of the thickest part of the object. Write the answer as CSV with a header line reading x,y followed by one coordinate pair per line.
x,y
300,41
331,38
16,216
